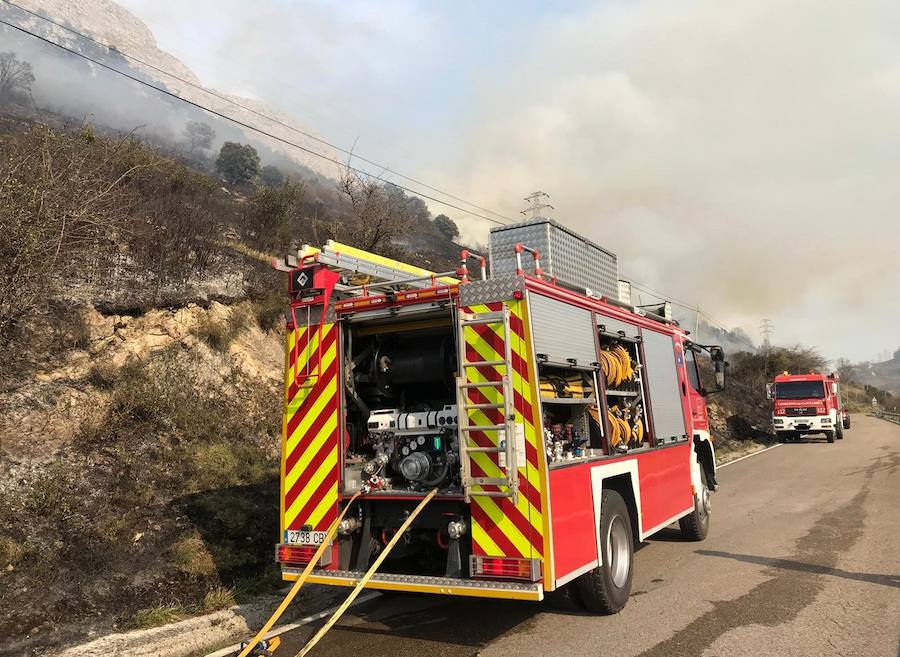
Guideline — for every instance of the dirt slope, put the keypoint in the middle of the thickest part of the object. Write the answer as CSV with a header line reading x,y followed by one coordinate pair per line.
x,y
138,474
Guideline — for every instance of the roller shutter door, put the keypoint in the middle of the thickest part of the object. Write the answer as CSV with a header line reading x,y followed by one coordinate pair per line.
x,y
562,331
665,391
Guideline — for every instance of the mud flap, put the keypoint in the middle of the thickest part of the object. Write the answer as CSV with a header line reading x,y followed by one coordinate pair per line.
x,y
454,559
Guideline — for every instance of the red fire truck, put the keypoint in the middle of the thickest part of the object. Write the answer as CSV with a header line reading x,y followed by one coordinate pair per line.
x,y
559,427
807,404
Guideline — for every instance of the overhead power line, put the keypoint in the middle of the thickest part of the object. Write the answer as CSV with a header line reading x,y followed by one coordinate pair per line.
x,y
287,142
226,99
662,295
244,124
693,308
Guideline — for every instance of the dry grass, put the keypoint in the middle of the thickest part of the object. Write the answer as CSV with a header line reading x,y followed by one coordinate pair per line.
x,y
10,552
189,555
103,374
219,333
156,616
218,598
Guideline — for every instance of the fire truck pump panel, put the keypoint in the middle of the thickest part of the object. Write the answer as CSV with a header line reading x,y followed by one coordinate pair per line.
x,y
403,423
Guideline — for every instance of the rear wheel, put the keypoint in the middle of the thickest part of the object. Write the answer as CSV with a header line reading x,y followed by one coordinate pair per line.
x,y
695,526
829,436
605,589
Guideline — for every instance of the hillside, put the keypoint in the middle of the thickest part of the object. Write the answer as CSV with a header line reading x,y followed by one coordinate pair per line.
x,y
71,86
884,375
140,365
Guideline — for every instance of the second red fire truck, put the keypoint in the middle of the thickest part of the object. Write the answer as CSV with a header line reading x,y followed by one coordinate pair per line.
x,y
808,404
558,425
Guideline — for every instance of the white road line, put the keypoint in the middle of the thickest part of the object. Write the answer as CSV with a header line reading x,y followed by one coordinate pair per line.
x,y
747,456
281,629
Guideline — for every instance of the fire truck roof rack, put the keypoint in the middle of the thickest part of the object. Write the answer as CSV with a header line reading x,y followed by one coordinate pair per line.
x,y
640,310
376,271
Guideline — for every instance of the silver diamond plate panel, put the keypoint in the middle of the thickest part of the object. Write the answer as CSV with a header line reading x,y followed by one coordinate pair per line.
x,y
447,582
495,288
575,261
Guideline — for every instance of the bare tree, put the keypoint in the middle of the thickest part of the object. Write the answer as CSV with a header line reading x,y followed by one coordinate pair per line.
x,y
381,213
844,369
199,135
16,76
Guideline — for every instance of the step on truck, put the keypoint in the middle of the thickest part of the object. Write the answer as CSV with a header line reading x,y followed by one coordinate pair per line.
x,y
806,404
559,426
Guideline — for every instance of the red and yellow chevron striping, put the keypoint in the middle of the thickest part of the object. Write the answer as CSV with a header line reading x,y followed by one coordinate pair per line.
x,y
499,527
311,435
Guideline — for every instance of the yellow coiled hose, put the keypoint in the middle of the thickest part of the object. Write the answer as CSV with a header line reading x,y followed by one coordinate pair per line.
x,y
616,365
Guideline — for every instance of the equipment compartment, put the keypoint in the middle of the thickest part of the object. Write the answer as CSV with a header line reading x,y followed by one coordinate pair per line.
x,y
621,370
402,421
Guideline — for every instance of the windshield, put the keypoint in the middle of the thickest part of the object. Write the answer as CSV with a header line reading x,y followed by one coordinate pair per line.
x,y
800,390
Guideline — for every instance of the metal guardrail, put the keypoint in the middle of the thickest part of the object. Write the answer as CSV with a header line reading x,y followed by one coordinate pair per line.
x,y
890,417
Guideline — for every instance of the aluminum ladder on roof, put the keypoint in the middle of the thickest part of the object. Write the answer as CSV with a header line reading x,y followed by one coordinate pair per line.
x,y
352,262
507,443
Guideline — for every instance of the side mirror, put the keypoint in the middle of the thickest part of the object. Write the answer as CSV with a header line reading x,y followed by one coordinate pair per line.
x,y
768,391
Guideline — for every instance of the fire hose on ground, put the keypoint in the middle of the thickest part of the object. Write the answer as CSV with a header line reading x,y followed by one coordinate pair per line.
x,y
332,530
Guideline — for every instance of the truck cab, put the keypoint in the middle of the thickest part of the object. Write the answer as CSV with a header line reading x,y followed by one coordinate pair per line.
x,y
807,404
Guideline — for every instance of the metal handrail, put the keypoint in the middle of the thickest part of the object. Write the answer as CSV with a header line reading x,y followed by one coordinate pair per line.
x,y
434,278
884,415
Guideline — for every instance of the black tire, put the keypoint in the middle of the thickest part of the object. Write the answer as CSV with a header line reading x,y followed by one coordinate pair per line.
x,y
695,526
783,436
605,589
840,432
829,436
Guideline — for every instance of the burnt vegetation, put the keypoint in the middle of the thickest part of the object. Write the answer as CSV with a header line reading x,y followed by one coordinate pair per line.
x,y
164,503
109,221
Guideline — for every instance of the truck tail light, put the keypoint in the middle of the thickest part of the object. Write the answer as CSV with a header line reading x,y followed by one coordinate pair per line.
x,y
506,568
295,554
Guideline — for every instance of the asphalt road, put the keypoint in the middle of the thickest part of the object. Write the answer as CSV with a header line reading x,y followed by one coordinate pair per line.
x,y
803,558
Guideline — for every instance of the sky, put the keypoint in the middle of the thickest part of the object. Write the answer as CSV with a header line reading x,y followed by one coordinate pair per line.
x,y
743,156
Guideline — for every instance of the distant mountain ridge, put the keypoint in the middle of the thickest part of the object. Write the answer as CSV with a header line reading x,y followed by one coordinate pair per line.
x,y
884,375
112,24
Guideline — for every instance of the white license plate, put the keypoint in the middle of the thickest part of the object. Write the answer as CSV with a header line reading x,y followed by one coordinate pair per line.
x,y
304,537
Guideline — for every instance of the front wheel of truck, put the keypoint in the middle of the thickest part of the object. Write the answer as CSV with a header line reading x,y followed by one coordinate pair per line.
x,y
829,436
695,525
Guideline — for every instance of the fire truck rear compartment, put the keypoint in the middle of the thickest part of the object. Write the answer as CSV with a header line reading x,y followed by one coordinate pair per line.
x,y
401,418
402,441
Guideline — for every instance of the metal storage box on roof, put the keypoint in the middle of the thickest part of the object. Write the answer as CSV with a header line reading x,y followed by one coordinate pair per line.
x,y
575,261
